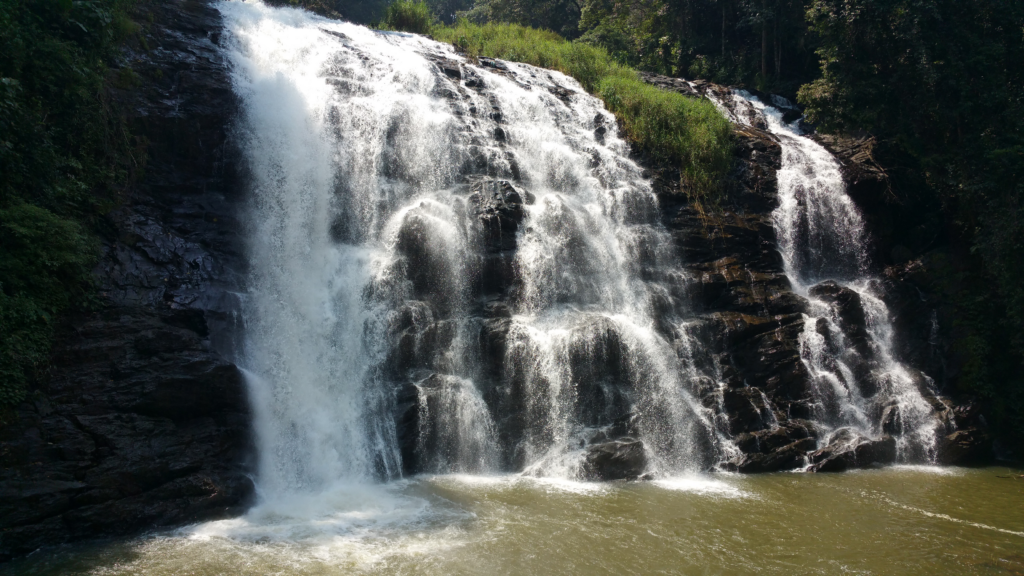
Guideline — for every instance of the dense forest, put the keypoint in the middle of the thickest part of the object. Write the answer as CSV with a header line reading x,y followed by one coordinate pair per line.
x,y
938,83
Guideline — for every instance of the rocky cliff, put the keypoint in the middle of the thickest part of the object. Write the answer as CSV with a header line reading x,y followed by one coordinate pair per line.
x,y
142,421
759,333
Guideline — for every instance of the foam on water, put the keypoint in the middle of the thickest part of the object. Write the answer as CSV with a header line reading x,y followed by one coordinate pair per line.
x,y
703,485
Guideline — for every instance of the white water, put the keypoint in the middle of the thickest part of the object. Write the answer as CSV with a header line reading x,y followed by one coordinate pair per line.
x,y
821,236
367,165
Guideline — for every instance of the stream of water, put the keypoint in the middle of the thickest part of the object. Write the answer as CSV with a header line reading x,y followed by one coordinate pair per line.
x,y
858,383
380,169
893,521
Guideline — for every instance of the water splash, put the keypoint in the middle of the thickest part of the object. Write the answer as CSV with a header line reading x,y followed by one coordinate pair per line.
x,y
856,382
454,265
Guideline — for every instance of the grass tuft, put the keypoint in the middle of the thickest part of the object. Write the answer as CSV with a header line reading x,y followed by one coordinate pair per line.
x,y
688,132
408,16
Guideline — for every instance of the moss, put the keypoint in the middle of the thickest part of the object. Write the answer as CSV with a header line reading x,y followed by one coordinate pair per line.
x,y
65,156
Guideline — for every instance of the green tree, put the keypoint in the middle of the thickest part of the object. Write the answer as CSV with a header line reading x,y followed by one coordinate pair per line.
x,y
942,82
64,157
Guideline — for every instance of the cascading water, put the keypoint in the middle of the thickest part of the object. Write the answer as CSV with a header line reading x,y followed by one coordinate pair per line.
x,y
860,389
465,245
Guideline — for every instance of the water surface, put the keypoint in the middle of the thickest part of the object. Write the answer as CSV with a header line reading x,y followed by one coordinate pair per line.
x,y
902,520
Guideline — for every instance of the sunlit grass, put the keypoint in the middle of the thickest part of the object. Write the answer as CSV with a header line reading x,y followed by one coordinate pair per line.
x,y
689,132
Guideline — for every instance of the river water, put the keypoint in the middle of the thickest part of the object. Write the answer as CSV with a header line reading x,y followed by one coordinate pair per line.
x,y
897,520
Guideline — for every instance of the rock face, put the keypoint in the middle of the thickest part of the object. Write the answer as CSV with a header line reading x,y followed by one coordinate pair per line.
x,y
142,421
622,459
749,309
847,449
745,302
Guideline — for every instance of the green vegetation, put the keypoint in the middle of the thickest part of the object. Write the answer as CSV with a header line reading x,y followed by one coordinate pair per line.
x,y
941,83
408,16
64,156
760,43
687,131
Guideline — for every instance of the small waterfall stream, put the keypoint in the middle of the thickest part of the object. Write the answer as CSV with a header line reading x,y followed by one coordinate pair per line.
x,y
860,390
453,267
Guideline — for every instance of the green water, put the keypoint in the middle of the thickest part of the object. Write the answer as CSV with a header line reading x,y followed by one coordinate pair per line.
x,y
889,521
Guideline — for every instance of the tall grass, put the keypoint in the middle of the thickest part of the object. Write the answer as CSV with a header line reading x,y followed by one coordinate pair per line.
x,y
671,127
408,16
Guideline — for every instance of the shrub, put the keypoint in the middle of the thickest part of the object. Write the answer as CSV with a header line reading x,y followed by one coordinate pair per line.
x,y
64,157
689,132
408,16
43,271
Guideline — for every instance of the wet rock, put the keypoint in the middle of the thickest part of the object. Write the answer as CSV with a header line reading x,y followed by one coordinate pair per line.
x,y
562,93
970,446
601,374
449,68
776,438
789,457
847,449
494,64
849,310
473,80
677,85
622,459
407,425
499,207
746,409
856,155
163,442
141,421
791,115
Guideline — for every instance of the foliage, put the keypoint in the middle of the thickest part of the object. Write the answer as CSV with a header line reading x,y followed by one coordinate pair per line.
x,y
942,81
763,43
64,153
938,82
45,268
687,131
561,16
408,16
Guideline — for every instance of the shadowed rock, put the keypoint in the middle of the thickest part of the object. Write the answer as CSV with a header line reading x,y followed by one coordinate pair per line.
x,y
622,459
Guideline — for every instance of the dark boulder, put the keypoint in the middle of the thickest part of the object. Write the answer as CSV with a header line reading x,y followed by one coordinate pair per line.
x,y
500,208
124,437
849,310
776,438
747,410
847,449
789,457
622,459
970,446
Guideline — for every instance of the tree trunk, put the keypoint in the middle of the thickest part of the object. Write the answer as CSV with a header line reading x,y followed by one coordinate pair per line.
x,y
764,41
764,50
778,50
723,30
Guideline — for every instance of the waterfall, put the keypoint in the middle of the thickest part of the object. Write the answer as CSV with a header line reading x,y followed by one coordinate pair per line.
x,y
454,267
856,382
